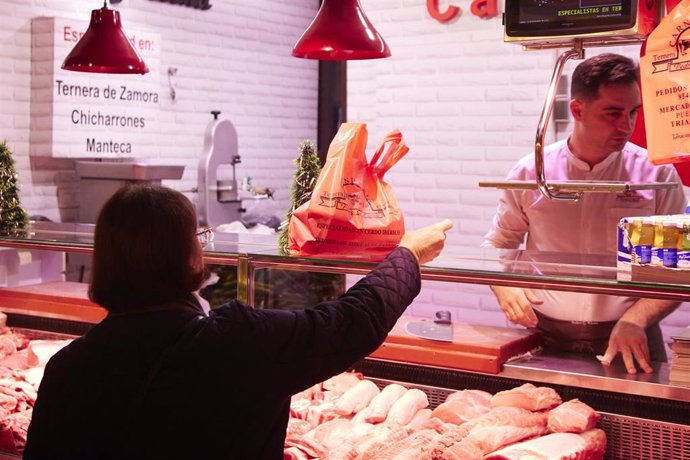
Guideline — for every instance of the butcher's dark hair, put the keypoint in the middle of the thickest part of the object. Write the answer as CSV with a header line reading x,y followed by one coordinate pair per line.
x,y
146,252
601,70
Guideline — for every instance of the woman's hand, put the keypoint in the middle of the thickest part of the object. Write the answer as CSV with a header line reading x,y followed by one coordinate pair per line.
x,y
427,242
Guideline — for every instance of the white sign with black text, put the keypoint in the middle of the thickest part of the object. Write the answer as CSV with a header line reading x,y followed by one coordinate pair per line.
x,y
91,115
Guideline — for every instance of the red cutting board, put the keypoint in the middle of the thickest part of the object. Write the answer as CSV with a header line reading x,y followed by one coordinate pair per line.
x,y
474,348
60,299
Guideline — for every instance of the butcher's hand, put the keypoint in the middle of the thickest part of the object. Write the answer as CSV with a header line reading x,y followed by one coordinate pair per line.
x,y
427,242
630,340
516,304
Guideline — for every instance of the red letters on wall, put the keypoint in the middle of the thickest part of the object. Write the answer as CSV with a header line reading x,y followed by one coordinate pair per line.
x,y
481,8
484,8
451,13
71,35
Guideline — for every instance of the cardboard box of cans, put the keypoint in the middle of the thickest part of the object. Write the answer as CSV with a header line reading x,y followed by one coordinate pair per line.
x,y
660,242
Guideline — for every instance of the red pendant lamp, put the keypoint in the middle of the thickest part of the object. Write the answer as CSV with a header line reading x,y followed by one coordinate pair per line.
x,y
104,48
341,31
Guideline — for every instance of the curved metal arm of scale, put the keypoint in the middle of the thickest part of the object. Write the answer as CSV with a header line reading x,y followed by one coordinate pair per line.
x,y
577,52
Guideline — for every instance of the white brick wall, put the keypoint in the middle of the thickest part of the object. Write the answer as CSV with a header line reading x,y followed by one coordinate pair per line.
x,y
468,105
234,58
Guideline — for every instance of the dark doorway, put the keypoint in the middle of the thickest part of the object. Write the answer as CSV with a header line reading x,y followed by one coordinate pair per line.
x,y
332,109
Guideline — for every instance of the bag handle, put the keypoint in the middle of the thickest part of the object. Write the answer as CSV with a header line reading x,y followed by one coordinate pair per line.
x,y
396,150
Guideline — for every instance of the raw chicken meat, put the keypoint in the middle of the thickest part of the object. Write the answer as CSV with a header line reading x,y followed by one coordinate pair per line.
x,y
320,413
420,420
589,445
461,408
409,448
32,375
369,444
474,397
452,436
20,340
354,420
499,427
299,408
17,396
294,453
296,429
527,397
23,391
40,351
342,382
378,409
356,398
7,346
21,370
445,445
313,392
407,406
491,438
328,435
572,416
17,361
13,430
463,450
7,402
513,416
24,356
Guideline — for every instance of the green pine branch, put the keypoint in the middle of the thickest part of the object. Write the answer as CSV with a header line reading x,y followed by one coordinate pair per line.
x,y
308,169
12,215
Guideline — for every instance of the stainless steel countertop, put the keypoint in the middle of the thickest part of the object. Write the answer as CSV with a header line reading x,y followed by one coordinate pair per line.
x,y
581,371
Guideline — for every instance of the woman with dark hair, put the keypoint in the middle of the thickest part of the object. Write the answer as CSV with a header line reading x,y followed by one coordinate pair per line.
x,y
157,378
147,252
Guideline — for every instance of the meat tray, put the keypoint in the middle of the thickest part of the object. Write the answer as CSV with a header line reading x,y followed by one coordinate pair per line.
x,y
627,438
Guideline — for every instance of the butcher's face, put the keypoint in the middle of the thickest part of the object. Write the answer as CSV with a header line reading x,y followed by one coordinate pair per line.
x,y
608,121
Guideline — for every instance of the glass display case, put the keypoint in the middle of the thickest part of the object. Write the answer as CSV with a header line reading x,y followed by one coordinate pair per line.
x,y
642,411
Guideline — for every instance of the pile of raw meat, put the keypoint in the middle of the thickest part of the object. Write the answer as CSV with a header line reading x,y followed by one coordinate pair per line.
x,y
22,362
348,417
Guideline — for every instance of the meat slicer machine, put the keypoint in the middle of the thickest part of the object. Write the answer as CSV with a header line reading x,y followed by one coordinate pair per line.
x,y
218,196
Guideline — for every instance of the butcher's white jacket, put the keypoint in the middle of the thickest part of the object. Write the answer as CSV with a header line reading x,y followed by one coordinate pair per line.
x,y
586,227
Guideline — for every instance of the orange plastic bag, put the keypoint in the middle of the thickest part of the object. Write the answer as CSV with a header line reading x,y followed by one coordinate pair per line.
x,y
665,72
352,211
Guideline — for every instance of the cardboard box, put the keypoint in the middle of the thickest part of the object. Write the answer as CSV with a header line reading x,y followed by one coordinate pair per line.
x,y
645,258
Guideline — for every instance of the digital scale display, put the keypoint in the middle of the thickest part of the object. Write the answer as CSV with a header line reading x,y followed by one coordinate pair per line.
x,y
539,18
